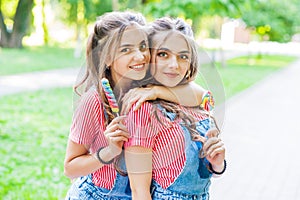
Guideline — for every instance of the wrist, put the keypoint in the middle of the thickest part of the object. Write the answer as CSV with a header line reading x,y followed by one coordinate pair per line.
x,y
104,156
218,169
157,92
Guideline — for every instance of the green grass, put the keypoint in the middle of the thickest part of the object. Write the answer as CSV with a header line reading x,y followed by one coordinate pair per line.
x,y
28,59
242,72
34,128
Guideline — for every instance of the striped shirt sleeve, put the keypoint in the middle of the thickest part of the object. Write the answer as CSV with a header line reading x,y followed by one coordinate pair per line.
x,y
142,126
86,121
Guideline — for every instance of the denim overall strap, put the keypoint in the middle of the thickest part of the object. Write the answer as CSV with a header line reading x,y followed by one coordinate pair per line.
x,y
200,181
194,180
121,187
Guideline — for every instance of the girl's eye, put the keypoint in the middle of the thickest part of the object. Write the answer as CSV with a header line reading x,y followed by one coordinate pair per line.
x,y
162,54
125,50
143,47
183,57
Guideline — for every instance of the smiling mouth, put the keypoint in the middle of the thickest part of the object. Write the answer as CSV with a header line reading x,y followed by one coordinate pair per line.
x,y
137,67
171,75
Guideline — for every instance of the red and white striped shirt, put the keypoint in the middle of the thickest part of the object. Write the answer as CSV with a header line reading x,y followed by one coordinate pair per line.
x,y
87,129
164,137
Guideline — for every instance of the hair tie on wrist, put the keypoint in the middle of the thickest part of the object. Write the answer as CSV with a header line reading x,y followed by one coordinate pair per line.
x,y
218,173
100,159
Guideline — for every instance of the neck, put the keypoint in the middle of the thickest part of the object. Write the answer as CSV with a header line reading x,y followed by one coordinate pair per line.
x,y
121,87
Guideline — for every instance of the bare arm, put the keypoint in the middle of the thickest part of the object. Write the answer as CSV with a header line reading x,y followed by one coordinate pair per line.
x,y
187,95
139,166
79,162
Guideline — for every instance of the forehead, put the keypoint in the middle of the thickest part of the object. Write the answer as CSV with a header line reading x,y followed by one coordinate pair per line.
x,y
133,35
172,41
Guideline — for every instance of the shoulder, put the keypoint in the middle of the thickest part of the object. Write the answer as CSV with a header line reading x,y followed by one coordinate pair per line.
x,y
89,104
142,114
145,108
91,97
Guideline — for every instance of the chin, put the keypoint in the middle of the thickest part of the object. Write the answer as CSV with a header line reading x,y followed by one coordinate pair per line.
x,y
170,84
137,77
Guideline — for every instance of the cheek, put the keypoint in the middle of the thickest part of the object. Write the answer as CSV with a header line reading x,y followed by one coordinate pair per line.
x,y
147,57
184,68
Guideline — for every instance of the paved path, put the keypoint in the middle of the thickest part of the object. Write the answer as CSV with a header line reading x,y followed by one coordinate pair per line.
x,y
262,136
37,80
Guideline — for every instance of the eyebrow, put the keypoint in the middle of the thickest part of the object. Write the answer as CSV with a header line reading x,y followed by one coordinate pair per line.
x,y
131,45
166,49
126,45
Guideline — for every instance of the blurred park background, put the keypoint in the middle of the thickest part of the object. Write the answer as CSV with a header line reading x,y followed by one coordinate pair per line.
x,y
246,41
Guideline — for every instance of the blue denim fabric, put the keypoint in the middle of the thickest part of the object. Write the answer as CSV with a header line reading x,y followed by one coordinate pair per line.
x,y
194,180
84,189
159,193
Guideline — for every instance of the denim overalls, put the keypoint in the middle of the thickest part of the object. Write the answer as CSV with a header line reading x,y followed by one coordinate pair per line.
x,y
194,180
84,189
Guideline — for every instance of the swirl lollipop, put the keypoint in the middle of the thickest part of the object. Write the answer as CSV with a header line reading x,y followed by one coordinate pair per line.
x,y
110,96
208,102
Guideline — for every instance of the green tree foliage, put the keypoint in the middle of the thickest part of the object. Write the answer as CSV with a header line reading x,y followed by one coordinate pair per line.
x,y
80,13
192,9
15,22
84,10
272,19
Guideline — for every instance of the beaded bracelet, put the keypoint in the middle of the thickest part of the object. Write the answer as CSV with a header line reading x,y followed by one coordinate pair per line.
x,y
218,173
100,159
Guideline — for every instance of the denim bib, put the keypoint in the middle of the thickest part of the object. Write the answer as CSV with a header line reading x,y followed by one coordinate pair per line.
x,y
194,180
84,189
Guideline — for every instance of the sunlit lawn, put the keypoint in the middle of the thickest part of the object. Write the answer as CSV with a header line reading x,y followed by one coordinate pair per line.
x,y
28,59
242,72
33,134
34,129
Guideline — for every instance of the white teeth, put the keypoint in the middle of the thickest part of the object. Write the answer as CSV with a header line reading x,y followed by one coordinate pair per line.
x,y
137,66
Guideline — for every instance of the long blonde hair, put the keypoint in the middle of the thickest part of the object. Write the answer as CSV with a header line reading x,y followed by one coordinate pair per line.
x,y
101,49
177,25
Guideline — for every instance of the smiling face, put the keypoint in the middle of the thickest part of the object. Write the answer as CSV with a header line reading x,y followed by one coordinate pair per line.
x,y
132,56
171,59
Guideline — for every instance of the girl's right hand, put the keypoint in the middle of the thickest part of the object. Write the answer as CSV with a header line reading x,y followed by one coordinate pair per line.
x,y
138,96
116,134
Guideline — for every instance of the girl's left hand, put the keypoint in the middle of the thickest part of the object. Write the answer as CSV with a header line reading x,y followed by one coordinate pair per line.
x,y
138,96
214,148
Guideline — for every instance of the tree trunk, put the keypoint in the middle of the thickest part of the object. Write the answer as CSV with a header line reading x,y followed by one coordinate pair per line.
x,y
44,24
4,34
13,39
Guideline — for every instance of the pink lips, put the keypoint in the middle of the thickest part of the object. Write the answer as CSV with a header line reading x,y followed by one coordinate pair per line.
x,y
171,75
139,67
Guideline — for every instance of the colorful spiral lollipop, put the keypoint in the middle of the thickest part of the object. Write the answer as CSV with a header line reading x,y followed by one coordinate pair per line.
x,y
110,96
208,102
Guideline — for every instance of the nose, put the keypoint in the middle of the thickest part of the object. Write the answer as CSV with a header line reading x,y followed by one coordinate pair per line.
x,y
139,56
173,62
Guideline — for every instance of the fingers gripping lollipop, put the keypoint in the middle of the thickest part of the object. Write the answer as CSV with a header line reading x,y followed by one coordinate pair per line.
x,y
110,96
